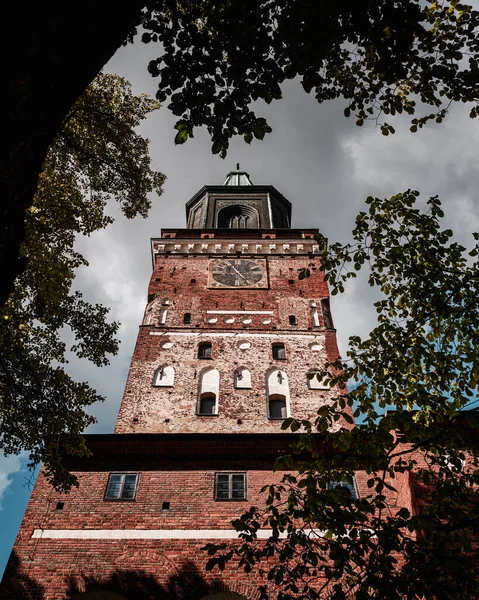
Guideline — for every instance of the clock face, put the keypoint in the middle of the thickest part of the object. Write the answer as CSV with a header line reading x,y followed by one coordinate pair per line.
x,y
238,272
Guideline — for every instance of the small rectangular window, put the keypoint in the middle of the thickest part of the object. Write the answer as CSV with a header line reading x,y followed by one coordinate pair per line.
x,y
121,486
230,486
351,486
277,409
279,352
204,350
207,405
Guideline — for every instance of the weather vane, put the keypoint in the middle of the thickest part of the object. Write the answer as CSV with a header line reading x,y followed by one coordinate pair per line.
x,y
237,166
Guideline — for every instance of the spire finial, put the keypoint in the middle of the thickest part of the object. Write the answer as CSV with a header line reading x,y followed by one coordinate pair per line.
x,y
237,177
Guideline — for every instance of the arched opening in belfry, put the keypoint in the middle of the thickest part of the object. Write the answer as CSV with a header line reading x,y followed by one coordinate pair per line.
x,y
238,216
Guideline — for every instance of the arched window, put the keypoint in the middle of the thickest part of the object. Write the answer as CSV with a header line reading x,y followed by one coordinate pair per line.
x,y
279,352
316,380
207,405
277,407
277,394
238,216
164,377
292,320
163,313
204,350
242,378
187,318
208,390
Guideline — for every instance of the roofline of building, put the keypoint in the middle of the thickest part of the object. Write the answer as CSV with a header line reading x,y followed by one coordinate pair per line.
x,y
163,450
236,189
243,233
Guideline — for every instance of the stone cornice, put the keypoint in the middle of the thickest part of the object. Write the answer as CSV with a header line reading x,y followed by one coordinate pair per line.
x,y
242,246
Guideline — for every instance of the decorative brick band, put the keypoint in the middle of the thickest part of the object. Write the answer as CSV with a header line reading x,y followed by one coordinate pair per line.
x,y
240,312
143,534
208,334
194,246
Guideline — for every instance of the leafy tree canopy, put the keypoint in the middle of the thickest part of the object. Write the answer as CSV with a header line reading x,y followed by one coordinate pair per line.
x,y
416,394
218,58
97,156
381,56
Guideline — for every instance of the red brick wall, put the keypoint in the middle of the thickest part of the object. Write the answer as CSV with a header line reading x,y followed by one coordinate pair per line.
x,y
156,568
146,408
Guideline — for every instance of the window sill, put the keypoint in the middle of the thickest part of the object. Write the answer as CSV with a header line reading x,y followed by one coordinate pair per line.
x,y
206,415
119,499
231,499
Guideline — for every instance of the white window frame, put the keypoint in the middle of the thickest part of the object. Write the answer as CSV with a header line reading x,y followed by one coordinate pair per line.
x,y
122,486
230,486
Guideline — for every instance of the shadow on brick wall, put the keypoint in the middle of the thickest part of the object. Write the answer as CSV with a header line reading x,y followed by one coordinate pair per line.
x,y
19,585
186,584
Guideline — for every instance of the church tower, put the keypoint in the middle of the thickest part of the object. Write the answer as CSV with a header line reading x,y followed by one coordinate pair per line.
x,y
225,352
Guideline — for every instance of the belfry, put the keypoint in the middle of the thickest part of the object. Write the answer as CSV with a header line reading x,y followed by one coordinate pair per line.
x,y
229,340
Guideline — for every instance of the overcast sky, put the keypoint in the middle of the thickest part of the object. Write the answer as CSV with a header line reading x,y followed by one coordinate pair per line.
x,y
318,159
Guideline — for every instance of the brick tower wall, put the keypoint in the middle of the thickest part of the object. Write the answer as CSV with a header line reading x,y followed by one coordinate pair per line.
x,y
179,286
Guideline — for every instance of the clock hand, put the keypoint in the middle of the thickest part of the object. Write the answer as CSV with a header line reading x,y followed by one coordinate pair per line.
x,y
236,271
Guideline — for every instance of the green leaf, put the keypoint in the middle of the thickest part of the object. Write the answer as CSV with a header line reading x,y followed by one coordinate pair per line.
x,y
181,137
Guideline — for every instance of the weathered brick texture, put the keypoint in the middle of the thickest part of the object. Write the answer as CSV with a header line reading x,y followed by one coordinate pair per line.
x,y
159,434
60,566
179,285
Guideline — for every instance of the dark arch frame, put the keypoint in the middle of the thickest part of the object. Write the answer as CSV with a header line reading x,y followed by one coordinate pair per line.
x,y
238,216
